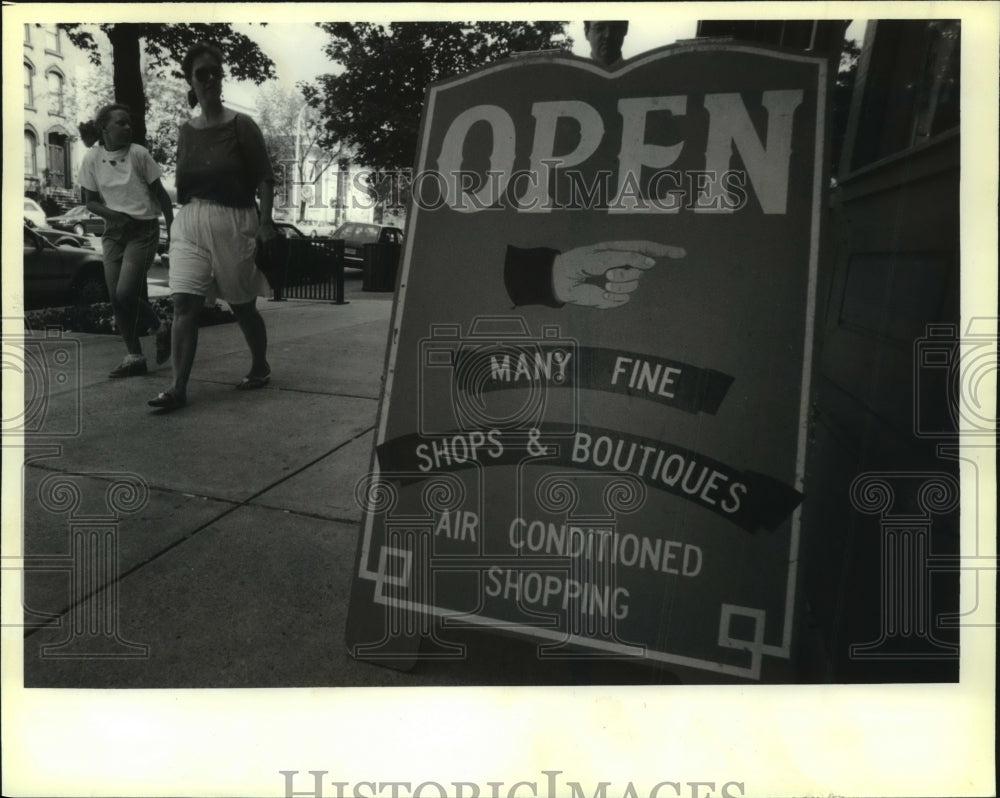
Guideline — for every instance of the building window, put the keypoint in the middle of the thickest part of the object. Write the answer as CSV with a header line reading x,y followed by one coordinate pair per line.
x,y
29,85
57,93
53,42
30,154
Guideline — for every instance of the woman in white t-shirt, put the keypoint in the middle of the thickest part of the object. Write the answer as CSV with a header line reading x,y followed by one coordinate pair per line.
x,y
121,183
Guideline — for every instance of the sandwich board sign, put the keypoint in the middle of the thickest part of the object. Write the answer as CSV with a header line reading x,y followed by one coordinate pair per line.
x,y
594,421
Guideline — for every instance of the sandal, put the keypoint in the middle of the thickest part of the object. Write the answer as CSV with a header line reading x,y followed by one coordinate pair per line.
x,y
251,383
167,402
163,344
129,368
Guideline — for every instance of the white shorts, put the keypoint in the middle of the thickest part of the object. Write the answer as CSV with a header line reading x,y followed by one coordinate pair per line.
x,y
212,253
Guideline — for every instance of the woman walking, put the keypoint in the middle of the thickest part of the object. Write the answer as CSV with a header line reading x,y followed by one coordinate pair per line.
x,y
222,167
121,183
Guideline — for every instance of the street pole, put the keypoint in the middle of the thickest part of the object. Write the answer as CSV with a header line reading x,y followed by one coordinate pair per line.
x,y
298,162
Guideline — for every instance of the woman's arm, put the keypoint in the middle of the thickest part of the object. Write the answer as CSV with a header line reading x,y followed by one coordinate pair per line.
x,y
265,192
258,162
163,200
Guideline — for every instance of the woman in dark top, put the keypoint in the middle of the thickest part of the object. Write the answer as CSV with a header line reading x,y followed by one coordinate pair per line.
x,y
222,168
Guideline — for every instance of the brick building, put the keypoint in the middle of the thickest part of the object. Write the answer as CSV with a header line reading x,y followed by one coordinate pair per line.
x,y
52,146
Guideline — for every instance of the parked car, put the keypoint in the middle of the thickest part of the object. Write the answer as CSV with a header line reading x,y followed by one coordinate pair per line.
x,y
357,234
289,230
82,222
56,276
317,229
33,211
79,220
60,237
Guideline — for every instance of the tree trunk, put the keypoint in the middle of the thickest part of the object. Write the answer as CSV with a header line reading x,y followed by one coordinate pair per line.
x,y
127,76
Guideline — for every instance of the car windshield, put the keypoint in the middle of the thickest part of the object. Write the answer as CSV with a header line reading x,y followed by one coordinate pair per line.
x,y
79,210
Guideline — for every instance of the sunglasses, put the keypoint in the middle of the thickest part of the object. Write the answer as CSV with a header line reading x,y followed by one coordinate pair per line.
x,y
205,74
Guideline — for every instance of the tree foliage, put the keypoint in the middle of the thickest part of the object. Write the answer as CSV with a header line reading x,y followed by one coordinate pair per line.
x,y
167,108
165,45
374,105
296,155
166,101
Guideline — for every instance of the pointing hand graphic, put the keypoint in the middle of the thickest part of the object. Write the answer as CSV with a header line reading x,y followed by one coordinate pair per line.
x,y
604,275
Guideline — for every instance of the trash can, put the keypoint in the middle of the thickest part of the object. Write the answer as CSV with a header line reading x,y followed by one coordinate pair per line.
x,y
381,261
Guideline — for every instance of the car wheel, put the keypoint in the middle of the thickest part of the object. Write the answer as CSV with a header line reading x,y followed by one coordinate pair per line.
x,y
78,229
90,289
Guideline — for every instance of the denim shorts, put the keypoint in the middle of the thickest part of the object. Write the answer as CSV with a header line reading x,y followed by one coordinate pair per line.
x,y
131,244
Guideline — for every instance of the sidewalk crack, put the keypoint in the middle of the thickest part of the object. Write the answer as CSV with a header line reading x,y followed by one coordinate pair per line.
x,y
236,505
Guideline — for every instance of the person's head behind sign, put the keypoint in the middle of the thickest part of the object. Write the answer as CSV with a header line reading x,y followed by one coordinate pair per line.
x,y
606,38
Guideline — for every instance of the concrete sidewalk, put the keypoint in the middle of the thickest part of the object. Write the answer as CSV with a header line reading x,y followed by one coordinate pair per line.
x,y
235,570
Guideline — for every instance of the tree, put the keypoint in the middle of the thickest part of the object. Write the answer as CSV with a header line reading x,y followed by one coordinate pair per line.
x,y
163,45
374,105
292,130
167,109
166,98
86,92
